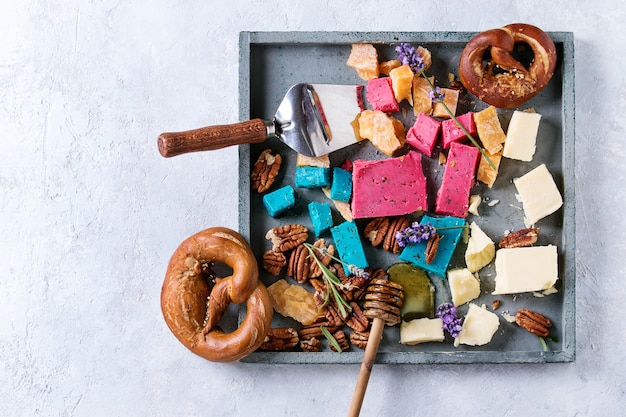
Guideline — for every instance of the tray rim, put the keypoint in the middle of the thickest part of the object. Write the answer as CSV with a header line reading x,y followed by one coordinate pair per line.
x,y
568,352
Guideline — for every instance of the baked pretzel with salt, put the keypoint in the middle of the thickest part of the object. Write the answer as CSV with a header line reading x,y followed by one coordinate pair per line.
x,y
193,307
490,66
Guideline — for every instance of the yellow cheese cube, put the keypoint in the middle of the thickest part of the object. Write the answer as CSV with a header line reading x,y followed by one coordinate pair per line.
x,y
402,83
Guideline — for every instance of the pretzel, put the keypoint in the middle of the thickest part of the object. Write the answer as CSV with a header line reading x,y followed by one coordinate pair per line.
x,y
192,309
504,82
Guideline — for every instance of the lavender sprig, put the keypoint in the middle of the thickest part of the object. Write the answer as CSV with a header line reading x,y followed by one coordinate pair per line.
x,y
415,233
409,55
451,323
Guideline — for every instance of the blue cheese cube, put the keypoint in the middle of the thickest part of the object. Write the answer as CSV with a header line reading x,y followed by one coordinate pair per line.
x,y
312,177
321,217
415,252
279,201
341,188
349,246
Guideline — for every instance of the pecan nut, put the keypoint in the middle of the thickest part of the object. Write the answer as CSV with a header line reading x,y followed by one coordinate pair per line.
x,y
311,345
273,262
396,225
359,339
298,266
287,237
520,238
341,339
533,322
265,170
432,247
280,338
325,258
376,230
356,320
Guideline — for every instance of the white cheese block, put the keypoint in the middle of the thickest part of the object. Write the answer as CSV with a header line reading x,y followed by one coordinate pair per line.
x,y
421,331
480,249
464,286
478,328
521,136
538,194
527,269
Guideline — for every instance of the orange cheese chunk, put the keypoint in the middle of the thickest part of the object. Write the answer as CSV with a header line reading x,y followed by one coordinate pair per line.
x,y
364,59
489,129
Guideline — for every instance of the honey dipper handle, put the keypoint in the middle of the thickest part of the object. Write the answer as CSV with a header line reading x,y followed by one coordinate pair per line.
x,y
367,364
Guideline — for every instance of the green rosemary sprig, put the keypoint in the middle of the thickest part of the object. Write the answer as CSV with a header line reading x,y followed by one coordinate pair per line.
x,y
333,284
331,339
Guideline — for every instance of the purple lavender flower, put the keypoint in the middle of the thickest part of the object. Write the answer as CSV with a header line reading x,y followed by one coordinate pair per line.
x,y
408,55
436,95
415,233
451,323
358,272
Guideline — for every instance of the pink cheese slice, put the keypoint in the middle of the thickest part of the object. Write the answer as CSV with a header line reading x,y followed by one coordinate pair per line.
x,y
458,180
451,132
388,187
380,95
424,133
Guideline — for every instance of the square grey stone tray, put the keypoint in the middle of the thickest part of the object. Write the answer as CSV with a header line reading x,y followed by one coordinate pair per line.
x,y
270,62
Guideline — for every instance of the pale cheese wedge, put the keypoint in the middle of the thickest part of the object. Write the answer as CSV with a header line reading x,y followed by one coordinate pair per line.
x,y
538,193
464,286
480,249
479,326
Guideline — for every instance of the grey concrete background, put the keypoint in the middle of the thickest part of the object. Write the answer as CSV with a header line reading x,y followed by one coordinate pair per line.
x,y
90,213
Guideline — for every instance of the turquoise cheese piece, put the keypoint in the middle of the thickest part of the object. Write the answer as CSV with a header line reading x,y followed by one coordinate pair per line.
x,y
312,177
349,246
279,201
341,188
415,252
321,217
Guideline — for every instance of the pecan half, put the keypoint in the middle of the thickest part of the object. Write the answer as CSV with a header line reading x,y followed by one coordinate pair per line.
x,y
533,322
311,345
265,170
356,287
314,269
280,338
298,266
356,320
359,339
315,330
432,247
376,230
341,339
273,262
287,236
520,238
390,243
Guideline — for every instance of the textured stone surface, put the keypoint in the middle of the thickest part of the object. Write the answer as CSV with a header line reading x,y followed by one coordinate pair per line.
x,y
91,212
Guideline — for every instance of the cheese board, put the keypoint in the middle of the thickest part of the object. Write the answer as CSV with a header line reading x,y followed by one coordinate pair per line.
x,y
270,62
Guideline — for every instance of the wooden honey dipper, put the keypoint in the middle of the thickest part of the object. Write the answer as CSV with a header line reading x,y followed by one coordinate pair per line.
x,y
382,304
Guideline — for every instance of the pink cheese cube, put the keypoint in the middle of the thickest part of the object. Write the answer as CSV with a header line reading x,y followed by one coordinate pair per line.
x,y
388,187
451,132
458,179
380,95
424,133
